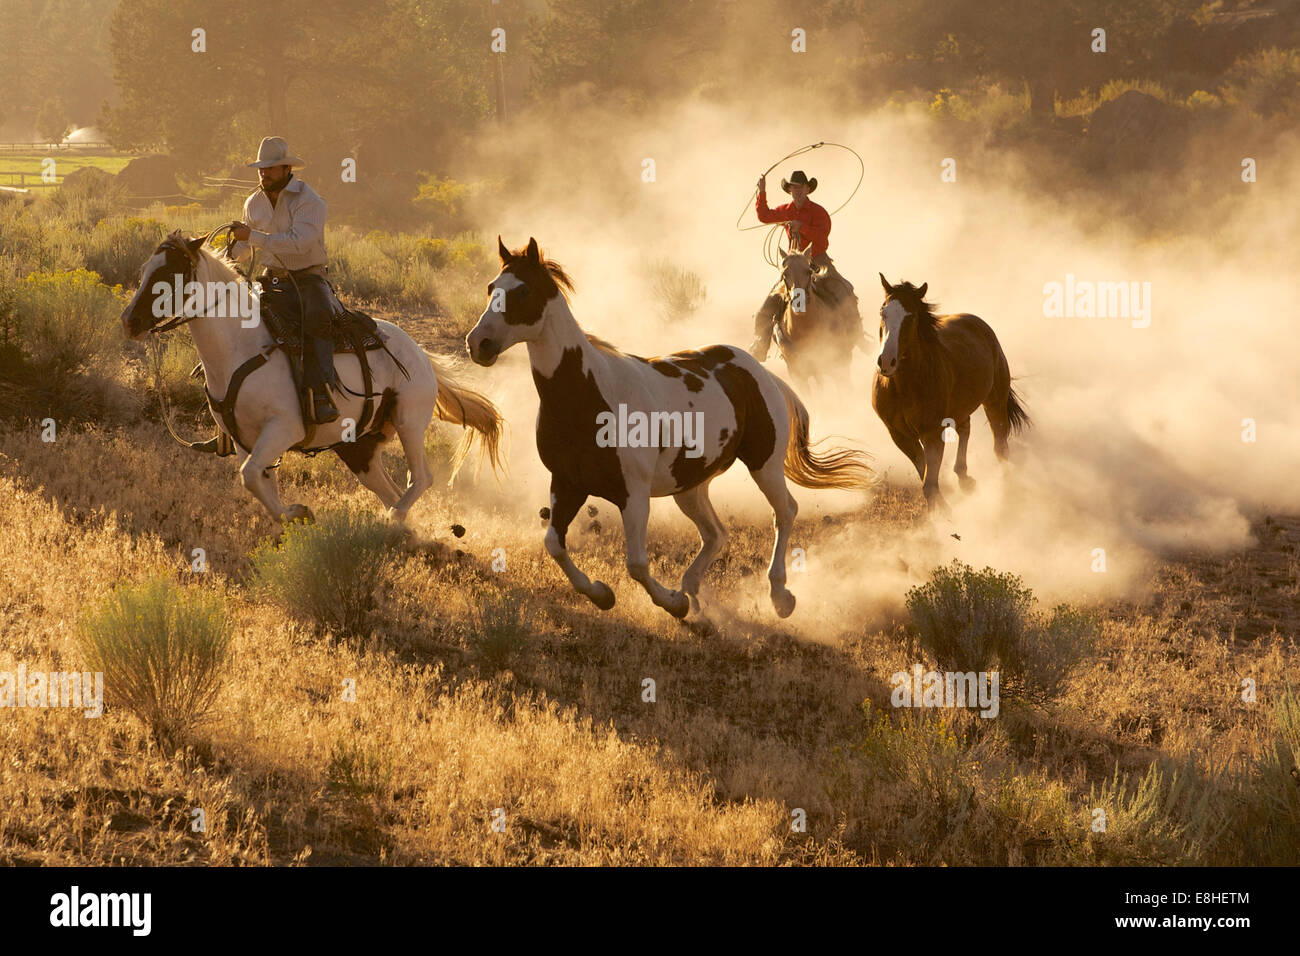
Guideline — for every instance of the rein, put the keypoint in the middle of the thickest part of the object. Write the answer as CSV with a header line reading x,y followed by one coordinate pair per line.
x,y
156,351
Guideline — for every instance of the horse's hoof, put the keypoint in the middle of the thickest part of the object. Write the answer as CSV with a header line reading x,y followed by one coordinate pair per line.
x,y
601,595
678,604
783,602
937,505
966,482
396,517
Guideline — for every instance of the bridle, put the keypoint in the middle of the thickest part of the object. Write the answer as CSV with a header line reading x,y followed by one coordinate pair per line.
x,y
156,347
812,273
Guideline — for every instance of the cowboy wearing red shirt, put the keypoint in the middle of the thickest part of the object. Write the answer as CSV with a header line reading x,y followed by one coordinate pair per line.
x,y
806,223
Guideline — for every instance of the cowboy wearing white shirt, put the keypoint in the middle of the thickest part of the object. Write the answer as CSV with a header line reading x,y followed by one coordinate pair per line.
x,y
284,221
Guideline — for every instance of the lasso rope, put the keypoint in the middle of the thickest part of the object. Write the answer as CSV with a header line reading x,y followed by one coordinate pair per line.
x,y
772,241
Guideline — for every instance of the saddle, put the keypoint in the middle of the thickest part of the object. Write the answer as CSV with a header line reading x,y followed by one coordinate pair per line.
x,y
842,304
351,330
830,291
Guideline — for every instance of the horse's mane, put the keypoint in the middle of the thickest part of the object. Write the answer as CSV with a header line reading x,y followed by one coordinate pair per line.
x,y
609,348
927,318
604,345
216,262
553,269
559,276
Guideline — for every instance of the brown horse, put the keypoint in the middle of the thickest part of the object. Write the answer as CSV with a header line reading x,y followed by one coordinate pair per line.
x,y
933,371
815,338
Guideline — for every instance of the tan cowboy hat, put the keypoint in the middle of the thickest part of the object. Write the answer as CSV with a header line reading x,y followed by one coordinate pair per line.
x,y
799,178
274,151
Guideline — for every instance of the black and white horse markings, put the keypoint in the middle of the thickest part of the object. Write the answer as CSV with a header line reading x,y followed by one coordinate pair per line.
x,y
267,414
584,383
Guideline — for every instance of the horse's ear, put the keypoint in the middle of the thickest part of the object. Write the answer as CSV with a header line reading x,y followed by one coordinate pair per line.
x,y
533,254
920,293
885,283
502,251
192,246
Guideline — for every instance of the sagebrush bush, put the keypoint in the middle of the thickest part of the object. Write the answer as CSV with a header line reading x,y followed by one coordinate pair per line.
x,y
968,620
362,271
1049,649
1266,82
1267,827
178,360
86,197
328,572
936,768
400,270
1169,815
499,626
162,649
27,243
981,621
117,247
678,292
66,323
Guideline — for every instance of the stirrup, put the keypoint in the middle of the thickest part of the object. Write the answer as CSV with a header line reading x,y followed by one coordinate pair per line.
x,y
323,410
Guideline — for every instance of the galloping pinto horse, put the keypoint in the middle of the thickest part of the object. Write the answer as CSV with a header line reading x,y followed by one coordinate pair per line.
x,y
721,396
817,340
267,414
932,372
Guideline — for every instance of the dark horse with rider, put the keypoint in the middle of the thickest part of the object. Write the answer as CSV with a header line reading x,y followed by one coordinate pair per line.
x,y
812,310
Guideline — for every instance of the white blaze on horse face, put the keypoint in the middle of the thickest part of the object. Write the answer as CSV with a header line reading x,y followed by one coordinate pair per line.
x,y
492,325
507,281
892,315
156,262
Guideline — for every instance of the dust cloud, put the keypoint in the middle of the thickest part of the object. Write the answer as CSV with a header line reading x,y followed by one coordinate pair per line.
x,y
1137,439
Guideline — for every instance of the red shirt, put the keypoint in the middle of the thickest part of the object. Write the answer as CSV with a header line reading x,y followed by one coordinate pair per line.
x,y
814,219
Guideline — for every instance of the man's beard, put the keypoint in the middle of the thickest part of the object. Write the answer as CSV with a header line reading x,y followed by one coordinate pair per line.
x,y
279,184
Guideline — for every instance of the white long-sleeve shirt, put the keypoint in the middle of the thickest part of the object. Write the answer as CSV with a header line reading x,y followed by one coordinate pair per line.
x,y
290,236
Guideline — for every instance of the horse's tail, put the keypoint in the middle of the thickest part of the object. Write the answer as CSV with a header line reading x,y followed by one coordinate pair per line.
x,y
476,413
1016,414
837,468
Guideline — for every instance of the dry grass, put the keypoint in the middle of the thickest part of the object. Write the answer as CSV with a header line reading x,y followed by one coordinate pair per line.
x,y
452,721
465,696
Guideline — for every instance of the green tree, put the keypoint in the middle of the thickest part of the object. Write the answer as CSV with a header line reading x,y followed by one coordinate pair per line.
x,y
390,80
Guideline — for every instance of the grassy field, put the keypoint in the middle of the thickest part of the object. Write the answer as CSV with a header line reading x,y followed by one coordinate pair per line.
x,y
474,712
485,696
65,162
750,724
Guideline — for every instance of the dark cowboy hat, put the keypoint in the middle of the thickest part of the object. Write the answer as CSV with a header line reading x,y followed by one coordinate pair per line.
x,y
797,178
